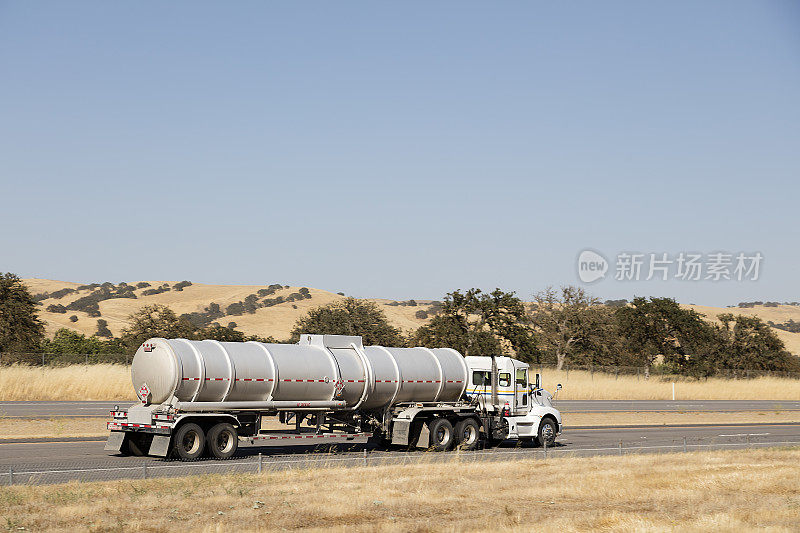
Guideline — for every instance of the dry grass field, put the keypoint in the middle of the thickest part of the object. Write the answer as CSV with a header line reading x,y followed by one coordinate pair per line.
x,y
112,382
74,382
705,491
278,320
23,428
582,385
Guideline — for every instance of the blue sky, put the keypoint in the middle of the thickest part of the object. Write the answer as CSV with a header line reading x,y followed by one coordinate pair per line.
x,y
399,150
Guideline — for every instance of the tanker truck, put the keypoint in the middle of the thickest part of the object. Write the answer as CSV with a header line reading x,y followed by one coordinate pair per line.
x,y
207,398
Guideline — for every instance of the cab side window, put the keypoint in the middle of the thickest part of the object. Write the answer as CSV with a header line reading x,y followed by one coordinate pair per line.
x,y
505,379
481,378
522,378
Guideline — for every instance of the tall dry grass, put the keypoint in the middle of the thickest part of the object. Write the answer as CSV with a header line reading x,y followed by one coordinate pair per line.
x,y
113,382
74,382
711,491
582,385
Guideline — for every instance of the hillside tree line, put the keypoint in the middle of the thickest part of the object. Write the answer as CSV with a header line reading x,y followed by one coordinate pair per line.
x,y
563,326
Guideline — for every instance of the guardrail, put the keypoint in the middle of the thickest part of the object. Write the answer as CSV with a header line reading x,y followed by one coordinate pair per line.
x,y
145,468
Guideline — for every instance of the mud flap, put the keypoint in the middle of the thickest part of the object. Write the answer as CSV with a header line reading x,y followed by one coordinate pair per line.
x,y
114,442
424,440
160,446
400,432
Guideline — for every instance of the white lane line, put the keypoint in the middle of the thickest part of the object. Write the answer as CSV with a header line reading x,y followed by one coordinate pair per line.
x,y
744,435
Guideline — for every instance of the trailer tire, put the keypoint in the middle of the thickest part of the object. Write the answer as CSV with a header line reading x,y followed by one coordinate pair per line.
x,y
222,440
547,432
468,434
441,434
189,442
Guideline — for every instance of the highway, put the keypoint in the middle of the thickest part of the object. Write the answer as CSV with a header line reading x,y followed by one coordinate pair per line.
x,y
54,462
47,409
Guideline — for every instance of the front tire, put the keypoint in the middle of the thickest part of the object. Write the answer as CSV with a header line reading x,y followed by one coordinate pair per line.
x,y
222,441
441,434
547,432
468,433
189,442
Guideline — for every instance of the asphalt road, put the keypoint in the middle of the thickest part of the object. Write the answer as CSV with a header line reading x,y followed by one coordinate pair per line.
x,y
47,409
55,462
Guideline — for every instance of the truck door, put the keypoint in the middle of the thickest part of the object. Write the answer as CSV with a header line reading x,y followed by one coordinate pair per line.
x,y
521,399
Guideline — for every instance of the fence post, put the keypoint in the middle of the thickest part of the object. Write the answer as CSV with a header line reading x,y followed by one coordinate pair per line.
x,y
620,447
260,462
10,475
365,457
145,470
544,443
43,359
684,444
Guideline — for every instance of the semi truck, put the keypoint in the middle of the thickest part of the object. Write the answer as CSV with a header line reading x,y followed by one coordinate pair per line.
x,y
207,398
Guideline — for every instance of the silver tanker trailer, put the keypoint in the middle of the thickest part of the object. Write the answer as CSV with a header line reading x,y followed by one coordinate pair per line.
x,y
207,397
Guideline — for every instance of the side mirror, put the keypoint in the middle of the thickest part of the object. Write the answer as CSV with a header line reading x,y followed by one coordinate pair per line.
x,y
538,381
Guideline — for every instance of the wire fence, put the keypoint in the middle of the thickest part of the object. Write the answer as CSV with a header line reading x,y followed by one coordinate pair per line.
x,y
354,456
641,372
63,359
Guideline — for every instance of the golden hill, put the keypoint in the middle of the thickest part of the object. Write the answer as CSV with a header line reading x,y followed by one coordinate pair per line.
x,y
778,315
276,320
279,319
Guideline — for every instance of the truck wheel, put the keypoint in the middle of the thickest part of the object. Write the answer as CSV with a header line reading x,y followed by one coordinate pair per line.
x,y
441,431
222,440
547,432
189,442
468,433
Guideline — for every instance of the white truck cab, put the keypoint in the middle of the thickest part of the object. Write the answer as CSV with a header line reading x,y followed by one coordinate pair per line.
x,y
525,405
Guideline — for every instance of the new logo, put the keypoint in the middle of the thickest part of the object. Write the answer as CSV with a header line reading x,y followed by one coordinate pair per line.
x,y
591,266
